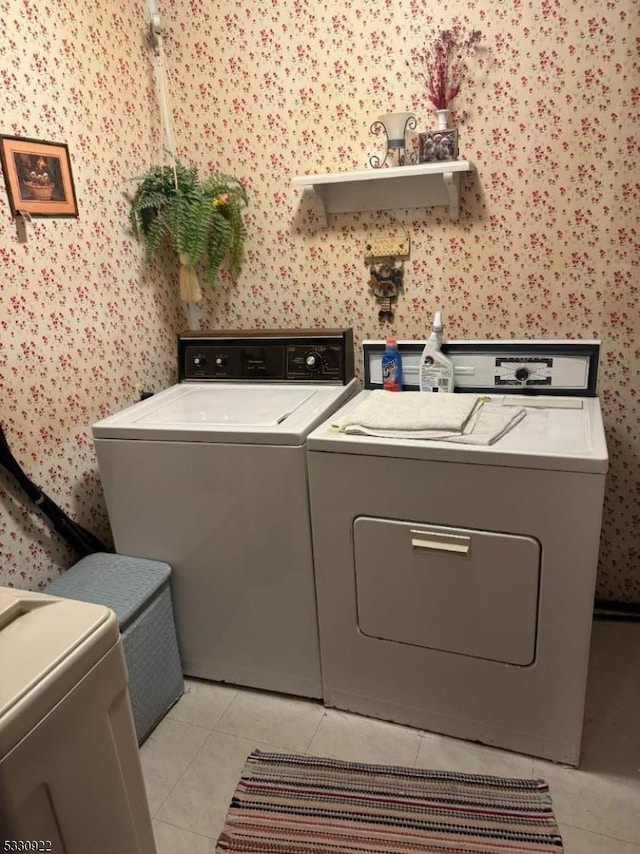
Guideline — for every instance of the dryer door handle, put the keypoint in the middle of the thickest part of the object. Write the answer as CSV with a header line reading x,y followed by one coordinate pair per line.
x,y
440,542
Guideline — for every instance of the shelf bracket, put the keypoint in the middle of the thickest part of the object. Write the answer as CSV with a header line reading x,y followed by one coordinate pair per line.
x,y
323,213
452,183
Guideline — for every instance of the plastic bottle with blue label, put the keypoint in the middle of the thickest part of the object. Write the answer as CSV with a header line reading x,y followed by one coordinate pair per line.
x,y
391,366
437,372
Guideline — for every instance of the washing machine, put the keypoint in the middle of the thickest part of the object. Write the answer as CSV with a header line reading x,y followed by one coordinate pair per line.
x,y
455,583
210,476
70,773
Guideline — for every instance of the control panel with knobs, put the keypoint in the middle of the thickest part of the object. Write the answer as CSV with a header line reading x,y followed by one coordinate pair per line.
x,y
304,356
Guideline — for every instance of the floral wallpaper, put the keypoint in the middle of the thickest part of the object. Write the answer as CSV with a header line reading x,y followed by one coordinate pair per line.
x,y
546,245
84,325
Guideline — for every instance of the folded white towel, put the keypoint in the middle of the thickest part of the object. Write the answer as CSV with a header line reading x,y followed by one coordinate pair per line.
x,y
490,424
410,410
466,419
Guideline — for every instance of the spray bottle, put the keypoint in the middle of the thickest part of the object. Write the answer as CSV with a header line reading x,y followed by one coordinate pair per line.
x,y
437,372
391,366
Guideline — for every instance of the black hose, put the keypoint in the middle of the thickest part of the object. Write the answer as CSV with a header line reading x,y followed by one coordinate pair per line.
x,y
622,611
81,540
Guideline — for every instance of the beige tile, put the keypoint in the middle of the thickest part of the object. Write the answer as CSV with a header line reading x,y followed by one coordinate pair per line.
x,y
600,802
281,721
157,791
598,806
166,754
578,841
203,703
200,800
175,840
355,738
441,753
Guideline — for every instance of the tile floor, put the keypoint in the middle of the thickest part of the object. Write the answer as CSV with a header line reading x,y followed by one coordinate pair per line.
x,y
193,760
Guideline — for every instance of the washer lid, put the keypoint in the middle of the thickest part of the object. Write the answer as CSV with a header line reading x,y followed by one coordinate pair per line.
x,y
232,405
231,412
563,434
46,646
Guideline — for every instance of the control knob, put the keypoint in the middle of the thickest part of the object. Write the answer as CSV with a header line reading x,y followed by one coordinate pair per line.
x,y
199,360
523,374
221,361
313,361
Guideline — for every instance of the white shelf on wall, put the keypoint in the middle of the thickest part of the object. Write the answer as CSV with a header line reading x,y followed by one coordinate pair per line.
x,y
419,186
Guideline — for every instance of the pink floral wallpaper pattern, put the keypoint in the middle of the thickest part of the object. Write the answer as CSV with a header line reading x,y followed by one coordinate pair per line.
x,y
546,245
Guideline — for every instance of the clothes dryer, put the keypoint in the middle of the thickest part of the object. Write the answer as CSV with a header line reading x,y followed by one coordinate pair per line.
x,y
455,582
210,476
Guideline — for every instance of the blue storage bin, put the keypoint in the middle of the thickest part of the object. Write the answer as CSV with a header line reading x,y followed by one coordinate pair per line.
x,y
138,591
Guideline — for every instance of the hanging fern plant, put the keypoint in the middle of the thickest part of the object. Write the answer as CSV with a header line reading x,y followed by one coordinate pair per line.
x,y
201,220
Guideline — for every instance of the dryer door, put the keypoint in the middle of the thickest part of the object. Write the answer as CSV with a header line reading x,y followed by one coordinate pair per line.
x,y
458,590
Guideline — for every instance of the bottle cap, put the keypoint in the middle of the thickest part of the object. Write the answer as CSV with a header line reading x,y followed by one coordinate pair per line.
x,y
391,342
437,322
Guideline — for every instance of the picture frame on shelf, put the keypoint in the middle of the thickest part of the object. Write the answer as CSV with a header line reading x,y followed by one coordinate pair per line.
x,y
38,177
438,145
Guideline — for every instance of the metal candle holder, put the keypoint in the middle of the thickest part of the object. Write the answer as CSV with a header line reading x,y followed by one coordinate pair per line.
x,y
395,126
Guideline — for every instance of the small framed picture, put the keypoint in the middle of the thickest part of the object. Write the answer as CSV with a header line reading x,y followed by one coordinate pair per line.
x,y
38,177
438,145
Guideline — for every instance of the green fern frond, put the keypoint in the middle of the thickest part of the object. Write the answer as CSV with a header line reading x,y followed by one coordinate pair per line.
x,y
201,219
145,207
191,224
239,234
220,237
220,182
156,233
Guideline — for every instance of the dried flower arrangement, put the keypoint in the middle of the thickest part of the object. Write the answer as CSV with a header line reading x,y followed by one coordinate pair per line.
x,y
443,66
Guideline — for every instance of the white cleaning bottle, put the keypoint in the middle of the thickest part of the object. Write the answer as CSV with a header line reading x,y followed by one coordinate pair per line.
x,y
437,372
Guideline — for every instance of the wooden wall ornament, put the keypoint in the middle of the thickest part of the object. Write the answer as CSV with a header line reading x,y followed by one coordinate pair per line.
x,y
387,277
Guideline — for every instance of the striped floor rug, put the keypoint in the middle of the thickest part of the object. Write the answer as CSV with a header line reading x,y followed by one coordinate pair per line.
x,y
288,804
